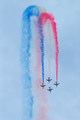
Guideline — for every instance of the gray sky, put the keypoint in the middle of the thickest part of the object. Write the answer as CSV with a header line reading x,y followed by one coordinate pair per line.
x,y
65,99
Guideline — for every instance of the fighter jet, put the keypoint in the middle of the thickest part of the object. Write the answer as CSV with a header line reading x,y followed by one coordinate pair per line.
x,y
50,89
49,79
56,83
42,85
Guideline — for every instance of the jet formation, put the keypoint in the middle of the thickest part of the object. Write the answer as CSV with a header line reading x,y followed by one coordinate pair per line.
x,y
49,80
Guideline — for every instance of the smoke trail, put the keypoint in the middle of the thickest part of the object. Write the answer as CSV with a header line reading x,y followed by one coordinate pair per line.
x,y
25,59
39,92
42,47
49,63
42,20
42,102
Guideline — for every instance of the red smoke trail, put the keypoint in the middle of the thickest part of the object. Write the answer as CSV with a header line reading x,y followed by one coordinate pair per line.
x,y
42,19
41,97
40,94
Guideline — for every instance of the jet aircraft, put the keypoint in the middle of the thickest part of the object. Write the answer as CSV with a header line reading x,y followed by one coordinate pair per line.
x,y
49,79
42,85
56,83
50,89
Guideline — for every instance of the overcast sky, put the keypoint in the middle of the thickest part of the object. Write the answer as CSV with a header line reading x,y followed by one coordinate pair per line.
x,y
66,98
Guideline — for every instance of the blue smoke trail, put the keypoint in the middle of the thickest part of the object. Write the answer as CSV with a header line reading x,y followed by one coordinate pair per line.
x,y
42,48
25,59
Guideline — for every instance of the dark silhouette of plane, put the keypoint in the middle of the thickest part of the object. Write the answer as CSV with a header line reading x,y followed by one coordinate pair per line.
x,y
49,79
56,83
42,85
50,89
